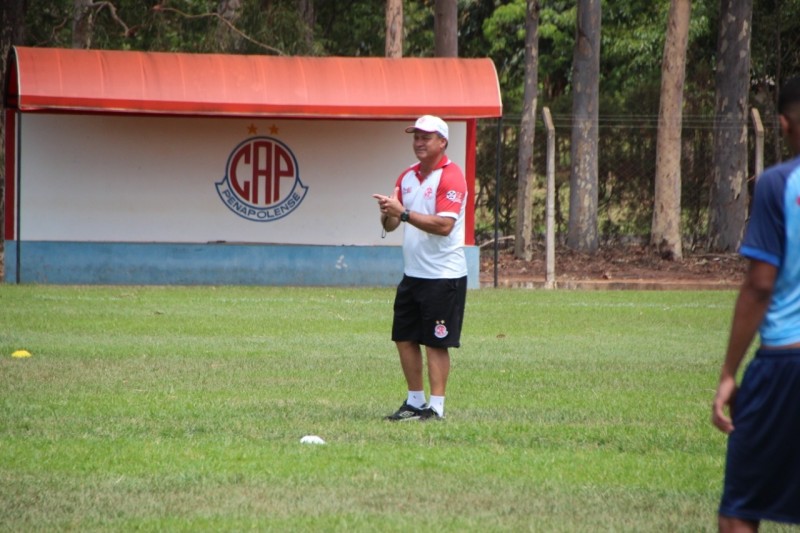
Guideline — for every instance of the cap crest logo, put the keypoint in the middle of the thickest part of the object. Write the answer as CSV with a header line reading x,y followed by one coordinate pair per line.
x,y
262,180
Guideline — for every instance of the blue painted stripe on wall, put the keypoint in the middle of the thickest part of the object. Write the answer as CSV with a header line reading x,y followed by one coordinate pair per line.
x,y
211,264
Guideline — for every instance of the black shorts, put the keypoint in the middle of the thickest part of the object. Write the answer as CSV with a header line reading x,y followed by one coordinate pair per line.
x,y
430,311
763,467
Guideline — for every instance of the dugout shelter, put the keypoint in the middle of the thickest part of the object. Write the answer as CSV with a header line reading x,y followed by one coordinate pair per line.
x,y
169,168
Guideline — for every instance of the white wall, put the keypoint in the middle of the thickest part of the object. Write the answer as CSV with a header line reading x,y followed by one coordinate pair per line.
x,y
153,179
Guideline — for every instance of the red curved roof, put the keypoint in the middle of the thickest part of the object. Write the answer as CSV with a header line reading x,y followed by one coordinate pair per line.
x,y
107,81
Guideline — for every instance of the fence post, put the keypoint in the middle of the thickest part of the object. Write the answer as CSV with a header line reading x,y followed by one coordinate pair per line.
x,y
550,206
759,128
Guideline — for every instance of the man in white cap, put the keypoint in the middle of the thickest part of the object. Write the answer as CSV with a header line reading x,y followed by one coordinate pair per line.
x,y
430,198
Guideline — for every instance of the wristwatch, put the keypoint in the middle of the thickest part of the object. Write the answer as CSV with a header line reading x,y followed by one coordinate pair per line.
x,y
404,215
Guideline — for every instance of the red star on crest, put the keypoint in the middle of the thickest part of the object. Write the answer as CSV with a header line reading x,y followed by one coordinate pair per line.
x,y
273,129
252,129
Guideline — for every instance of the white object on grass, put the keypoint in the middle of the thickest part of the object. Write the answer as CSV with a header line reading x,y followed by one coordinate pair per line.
x,y
312,439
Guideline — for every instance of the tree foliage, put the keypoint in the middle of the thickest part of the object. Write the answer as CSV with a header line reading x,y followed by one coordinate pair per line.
x,y
632,42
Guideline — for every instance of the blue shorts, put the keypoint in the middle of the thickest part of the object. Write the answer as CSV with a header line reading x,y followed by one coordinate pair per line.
x,y
429,311
762,471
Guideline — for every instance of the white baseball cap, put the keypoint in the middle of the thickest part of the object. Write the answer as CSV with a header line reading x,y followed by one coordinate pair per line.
x,y
430,124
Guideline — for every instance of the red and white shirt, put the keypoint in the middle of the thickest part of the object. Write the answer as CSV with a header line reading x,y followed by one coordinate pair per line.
x,y
443,192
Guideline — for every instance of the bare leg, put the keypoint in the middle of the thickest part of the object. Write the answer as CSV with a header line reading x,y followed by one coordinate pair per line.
x,y
736,525
438,369
411,361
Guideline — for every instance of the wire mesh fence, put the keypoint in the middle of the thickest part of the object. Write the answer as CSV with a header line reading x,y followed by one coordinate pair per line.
x,y
626,175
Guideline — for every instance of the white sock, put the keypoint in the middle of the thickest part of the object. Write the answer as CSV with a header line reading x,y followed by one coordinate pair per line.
x,y
416,398
437,404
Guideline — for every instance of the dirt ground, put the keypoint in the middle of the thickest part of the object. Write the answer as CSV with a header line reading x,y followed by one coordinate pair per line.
x,y
615,267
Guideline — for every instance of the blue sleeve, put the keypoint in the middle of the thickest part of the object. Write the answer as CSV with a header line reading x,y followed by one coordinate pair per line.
x,y
765,237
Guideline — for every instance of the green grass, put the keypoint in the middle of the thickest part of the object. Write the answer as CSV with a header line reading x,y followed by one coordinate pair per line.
x,y
181,409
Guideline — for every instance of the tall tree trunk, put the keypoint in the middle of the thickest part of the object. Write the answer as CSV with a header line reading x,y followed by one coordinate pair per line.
x,y
523,243
445,28
776,128
666,230
307,14
583,194
394,28
226,40
82,24
12,29
729,196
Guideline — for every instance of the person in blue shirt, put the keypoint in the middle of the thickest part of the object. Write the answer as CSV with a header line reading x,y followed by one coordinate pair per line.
x,y
761,416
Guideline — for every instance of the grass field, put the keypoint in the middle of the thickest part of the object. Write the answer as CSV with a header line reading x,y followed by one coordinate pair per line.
x,y
182,408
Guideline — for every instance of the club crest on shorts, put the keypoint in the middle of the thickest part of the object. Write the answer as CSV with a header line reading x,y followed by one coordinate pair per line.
x,y
440,330
262,180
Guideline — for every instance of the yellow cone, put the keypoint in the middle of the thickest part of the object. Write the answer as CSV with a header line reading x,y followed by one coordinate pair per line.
x,y
21,353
